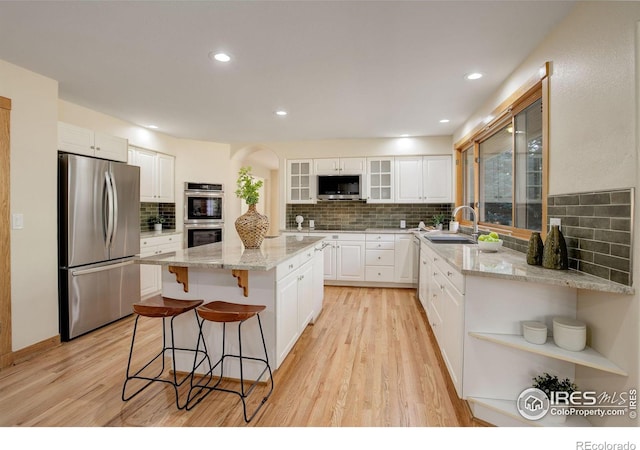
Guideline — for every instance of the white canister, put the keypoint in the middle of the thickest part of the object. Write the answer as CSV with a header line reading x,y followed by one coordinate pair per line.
x,y
454,226
569,334
534,332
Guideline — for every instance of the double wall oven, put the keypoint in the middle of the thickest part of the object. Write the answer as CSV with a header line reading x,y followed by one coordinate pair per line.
x,y
203,213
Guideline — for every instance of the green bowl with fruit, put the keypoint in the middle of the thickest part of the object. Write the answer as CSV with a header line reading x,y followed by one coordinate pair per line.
x,y
489,242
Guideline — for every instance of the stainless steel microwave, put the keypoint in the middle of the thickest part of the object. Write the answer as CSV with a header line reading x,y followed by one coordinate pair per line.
x,y
339,187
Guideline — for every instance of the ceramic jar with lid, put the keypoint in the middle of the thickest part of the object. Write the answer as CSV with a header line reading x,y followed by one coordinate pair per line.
x,y
534,332
569,334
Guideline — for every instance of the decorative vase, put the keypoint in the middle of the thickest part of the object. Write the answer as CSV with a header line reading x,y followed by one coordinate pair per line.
x,y
554,255
157,226
535,250
252,227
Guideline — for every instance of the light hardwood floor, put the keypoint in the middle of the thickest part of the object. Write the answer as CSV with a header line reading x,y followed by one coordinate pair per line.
x,y
369,361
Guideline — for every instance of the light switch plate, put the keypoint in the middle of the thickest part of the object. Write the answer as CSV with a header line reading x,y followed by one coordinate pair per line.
x,y
17,221
555,221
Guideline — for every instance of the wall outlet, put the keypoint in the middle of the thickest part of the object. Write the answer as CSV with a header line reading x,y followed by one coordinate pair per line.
x,y
403,224
555,221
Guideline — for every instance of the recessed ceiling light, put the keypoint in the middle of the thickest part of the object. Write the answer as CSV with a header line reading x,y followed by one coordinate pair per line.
x,y
153,127
473,76
444,120
222,57
281,113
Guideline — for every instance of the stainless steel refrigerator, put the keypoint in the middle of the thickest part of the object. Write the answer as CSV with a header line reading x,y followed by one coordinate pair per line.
x,y
98,236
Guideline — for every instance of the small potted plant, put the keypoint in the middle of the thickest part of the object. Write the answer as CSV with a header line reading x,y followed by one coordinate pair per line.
x,y
157,222
549,384
251,226
438,221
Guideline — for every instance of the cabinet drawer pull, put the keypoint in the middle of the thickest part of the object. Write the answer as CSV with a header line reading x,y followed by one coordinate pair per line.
x,y
449,273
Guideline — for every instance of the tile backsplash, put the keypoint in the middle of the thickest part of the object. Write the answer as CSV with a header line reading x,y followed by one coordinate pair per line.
x,y
166,210
349,216
597,227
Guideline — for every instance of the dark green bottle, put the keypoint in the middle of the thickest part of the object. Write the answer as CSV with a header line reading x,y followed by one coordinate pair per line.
x,y
555,254
534,252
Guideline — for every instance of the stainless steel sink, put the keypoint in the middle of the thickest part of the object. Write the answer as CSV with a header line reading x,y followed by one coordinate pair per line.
x,y
450,239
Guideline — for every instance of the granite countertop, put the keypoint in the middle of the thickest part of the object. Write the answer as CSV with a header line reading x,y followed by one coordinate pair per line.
x,y
230,254
164,232
512,265
310,231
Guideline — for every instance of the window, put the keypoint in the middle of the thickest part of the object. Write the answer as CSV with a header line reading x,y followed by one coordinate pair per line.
x,y
468,181
502,166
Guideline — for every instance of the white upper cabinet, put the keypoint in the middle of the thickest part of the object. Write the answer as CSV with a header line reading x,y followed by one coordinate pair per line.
x,y
157,172
340,166
408,179
82,141
300,181
423,179
380,176
436,179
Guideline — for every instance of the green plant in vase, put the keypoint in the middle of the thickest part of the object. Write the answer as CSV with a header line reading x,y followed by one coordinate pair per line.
x,y
251,226
438,221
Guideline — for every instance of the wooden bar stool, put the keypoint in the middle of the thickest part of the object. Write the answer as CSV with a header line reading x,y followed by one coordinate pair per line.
x,y
225,312
162,307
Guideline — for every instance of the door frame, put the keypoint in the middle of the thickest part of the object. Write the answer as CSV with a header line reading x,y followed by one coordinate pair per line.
x,y
6,355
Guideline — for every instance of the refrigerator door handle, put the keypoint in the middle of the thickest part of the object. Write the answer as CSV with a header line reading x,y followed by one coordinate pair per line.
x,y
114,191
77,273
109,209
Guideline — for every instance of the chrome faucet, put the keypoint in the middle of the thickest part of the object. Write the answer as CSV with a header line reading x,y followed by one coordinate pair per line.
x,y
475,219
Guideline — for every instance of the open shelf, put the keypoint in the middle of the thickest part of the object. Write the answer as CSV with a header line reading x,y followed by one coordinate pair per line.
x,y
508,408
587,357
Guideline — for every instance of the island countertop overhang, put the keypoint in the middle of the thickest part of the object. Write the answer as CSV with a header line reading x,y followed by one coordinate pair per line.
x,y
230,254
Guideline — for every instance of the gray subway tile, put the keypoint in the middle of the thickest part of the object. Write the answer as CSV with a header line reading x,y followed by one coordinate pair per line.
x,y
595,222
612,210
595,270
612,262
616,237
621,224
584,210
577,232
567,200
621,197
595,246
623,251
621,277
596,198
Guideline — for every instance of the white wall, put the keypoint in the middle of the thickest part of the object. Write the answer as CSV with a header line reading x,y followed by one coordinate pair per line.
x,y
33,165
593,146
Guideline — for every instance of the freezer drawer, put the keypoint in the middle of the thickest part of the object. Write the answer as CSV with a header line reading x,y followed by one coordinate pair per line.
x,y
95,295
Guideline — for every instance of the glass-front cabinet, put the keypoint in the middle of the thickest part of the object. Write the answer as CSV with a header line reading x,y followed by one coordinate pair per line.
x,y
300,182
380,180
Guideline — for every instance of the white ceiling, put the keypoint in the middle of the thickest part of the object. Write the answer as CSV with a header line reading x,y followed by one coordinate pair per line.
x,y
343,69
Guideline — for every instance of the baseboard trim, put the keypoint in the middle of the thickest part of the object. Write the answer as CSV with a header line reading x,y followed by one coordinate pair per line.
x,y
29,352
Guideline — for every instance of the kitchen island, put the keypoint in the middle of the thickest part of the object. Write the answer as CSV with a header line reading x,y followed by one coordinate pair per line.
x,y
284,274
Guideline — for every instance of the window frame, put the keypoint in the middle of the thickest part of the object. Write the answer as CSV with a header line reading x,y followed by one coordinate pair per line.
x,y
537,87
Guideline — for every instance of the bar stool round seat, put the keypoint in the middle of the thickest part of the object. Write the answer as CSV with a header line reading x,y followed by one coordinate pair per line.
x,y
159,306
219,311
226,312
164,308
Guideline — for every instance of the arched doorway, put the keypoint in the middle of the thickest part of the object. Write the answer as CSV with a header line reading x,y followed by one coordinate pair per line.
x,y
265,165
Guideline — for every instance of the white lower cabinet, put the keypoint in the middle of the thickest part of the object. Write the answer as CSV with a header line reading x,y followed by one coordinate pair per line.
x,y
151,275
344,257
380,258
295,300
424,279
406,259
442,294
